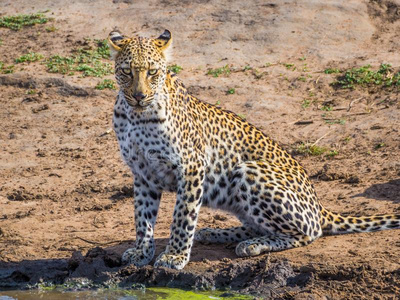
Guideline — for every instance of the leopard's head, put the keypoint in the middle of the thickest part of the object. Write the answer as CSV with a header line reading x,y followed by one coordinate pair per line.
x,y
140,66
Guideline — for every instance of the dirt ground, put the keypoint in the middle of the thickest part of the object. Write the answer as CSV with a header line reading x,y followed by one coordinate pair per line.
x,y
64,189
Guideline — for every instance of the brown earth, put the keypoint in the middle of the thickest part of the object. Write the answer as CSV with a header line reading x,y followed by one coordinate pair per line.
x,y
65,191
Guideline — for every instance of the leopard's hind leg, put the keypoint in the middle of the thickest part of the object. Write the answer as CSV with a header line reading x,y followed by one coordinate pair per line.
x,y
268,243
228,235
283,208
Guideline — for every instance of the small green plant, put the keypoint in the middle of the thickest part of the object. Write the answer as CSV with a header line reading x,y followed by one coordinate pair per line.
x,y
6,69
106,84
302,58
335,121
51,28
311,149
290,66
301,78
87,61
347,139
326,108
247,67
305,68
60,64
242,116
31,92
102,49
332,153
258,74
46,286
9,69
225,70
29,57
218,103
306,103
364,76
231,91
379,146
19,21
175,68
331,71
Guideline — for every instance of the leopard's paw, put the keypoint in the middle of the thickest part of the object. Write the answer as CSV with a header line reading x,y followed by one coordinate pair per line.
x,y
249,248
137,257
171,261
205,235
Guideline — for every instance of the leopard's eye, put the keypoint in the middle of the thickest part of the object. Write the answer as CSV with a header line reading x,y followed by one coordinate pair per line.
x,y
152,72
127,71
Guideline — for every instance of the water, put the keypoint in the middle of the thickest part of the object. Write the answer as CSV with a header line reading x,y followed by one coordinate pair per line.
x,y
148,294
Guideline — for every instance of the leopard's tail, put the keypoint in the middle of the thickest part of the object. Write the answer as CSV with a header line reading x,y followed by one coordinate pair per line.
x,y
333,224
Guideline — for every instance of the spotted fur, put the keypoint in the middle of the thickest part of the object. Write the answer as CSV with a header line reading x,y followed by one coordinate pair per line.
x,y
174,142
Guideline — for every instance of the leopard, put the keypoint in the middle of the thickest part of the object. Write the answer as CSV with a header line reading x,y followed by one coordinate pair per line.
x,y
210,157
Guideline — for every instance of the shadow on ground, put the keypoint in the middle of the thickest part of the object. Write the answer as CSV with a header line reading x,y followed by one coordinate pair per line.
x,y
389,191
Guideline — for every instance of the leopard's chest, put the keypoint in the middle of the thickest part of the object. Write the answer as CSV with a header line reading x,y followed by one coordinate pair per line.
x,y
145,147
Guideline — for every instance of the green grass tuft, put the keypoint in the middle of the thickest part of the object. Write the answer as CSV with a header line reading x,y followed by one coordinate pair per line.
x,y
311,149
364,76
332,153
175,68
302,78
231,91
247,67
225,70
306,103
19,21
29,57
86,61
315,150
102,49
106,84
242,116
51,28
290,66
6,69
335,121
326,108
331,71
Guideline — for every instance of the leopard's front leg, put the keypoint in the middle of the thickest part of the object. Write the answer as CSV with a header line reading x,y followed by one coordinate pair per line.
x,y
147,201
189,194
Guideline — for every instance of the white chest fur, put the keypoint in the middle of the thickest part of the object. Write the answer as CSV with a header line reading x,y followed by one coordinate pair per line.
x,y
145,145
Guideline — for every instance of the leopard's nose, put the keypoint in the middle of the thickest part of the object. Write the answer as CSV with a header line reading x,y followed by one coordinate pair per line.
x,y
139,96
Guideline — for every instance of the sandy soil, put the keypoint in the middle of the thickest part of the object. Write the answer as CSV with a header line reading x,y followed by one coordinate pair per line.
x,y
64,188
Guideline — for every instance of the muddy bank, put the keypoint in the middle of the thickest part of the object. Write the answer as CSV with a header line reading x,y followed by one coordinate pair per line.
x,y
262,276
102,268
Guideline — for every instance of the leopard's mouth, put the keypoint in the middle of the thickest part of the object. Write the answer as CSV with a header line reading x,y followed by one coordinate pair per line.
x,y
139,105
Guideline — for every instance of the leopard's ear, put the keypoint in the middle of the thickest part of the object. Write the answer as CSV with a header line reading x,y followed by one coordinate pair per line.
x,y
164,41
115,41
